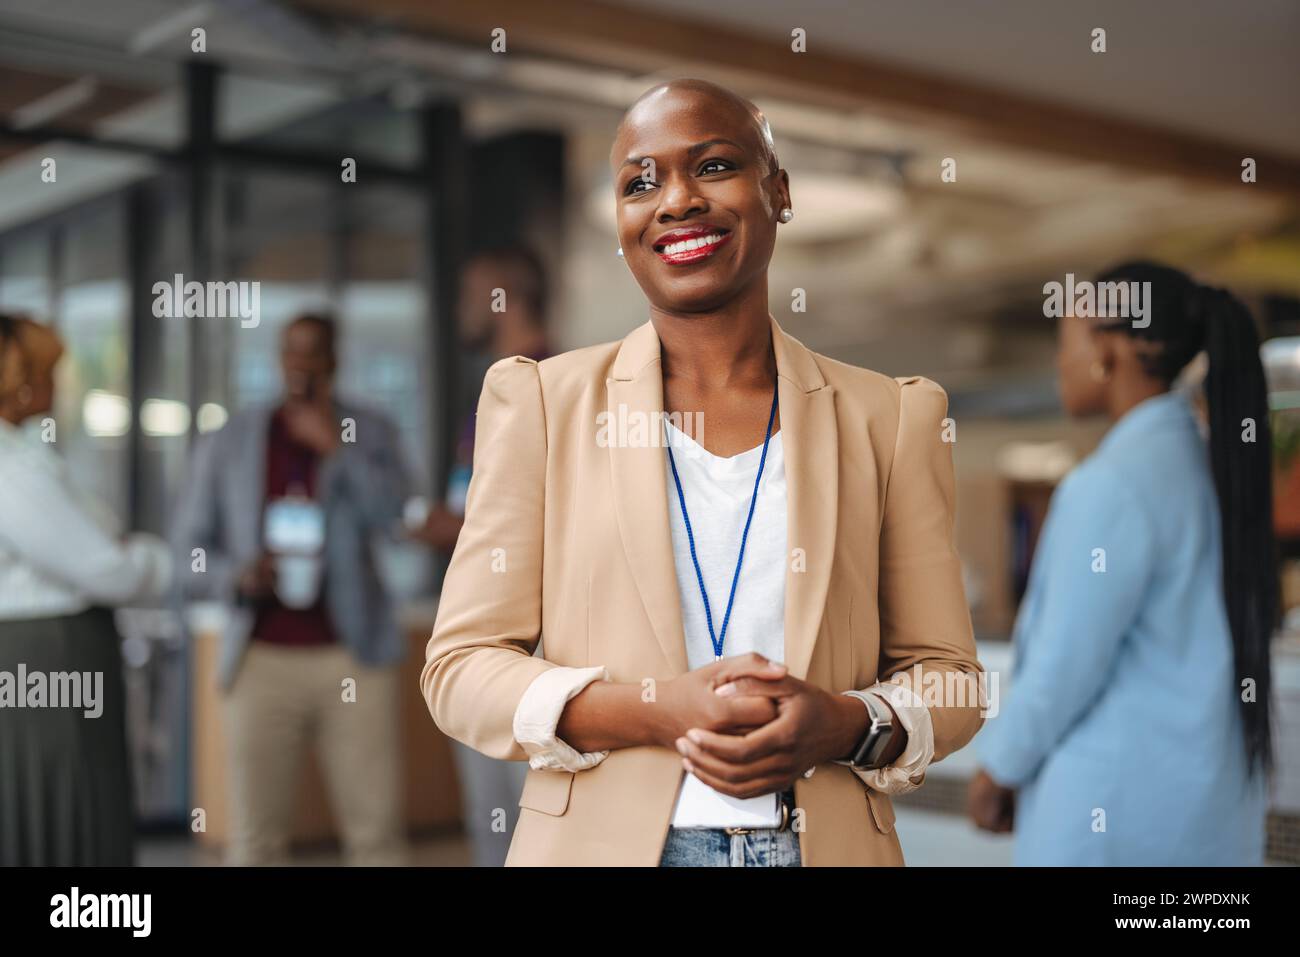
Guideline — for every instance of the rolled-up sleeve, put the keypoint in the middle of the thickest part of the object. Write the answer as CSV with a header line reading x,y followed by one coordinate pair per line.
x,y
538,715
907,771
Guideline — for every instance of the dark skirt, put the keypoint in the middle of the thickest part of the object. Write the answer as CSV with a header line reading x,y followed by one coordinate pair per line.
x,y
65,778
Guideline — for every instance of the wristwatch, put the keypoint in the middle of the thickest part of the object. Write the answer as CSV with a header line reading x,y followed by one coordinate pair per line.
x,y
870,749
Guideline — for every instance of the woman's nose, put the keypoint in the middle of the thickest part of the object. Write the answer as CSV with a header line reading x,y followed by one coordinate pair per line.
x,y
677,200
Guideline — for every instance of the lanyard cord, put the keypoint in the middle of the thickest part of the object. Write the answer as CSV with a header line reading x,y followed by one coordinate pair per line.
x,y
718,639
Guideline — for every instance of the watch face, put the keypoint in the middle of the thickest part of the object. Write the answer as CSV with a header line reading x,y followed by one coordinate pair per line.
x,y
877,737
869,743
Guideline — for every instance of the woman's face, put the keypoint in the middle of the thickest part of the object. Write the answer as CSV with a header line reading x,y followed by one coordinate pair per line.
x,y
41,382
696,199
28,361
1077,354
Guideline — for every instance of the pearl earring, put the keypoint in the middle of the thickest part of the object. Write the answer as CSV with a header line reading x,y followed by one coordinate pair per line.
x,y
787,214
620,252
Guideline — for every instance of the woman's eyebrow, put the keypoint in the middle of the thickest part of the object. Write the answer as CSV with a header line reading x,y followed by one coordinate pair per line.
x,y
707,144
691,151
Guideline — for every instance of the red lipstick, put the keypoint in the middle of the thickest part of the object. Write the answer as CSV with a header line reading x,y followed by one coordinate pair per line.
x,y
691,244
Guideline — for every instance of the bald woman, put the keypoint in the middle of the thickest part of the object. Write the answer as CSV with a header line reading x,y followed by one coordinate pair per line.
x,y
736,554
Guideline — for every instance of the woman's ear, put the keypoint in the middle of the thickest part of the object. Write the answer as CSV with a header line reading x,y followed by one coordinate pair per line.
x,y
1129,352
1107,351
783,190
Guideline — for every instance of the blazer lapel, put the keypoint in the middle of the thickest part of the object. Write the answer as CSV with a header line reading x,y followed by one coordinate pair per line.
x,y
811,440
636,389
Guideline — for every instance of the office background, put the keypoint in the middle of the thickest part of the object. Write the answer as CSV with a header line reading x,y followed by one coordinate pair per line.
x,y
224,164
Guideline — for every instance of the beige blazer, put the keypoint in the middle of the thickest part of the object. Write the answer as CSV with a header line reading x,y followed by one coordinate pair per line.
x,y
566,541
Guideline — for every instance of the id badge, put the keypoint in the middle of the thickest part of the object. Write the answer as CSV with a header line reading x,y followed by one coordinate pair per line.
x,y
294,533
294,525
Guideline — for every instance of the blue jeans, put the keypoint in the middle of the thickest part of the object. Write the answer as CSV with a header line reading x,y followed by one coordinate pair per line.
x,y
714,847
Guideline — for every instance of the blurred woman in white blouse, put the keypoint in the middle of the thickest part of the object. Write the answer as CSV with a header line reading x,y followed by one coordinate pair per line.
x,y
65,783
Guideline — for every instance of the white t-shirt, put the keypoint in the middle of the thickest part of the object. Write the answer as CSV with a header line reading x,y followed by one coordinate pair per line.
x,y
718,492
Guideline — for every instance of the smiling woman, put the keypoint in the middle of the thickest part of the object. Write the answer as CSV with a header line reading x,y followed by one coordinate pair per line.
x,y
680,246
698,185
691,597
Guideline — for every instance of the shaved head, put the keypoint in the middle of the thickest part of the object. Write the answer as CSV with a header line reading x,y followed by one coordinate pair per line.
x,y
717,97
698,195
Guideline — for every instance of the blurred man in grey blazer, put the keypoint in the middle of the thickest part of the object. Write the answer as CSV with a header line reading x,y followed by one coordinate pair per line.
x,y
276,521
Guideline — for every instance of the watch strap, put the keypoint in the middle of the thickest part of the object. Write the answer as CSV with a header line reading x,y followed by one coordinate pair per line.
x,y
875,740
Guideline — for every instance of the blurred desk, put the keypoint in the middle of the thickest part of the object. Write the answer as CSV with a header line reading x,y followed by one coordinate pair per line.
x,y
432,791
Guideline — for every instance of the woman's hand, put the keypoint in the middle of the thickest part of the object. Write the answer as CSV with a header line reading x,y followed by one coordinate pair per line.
x,y
989,805
607,715
692,701
811,727
441,528
256,580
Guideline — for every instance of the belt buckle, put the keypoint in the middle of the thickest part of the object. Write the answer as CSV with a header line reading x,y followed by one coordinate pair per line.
x,y
783,826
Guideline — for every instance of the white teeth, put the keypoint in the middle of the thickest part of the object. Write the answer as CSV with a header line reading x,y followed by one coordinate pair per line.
x,y
689,244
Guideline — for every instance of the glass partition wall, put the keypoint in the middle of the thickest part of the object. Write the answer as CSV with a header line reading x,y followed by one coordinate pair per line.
x,y
256,193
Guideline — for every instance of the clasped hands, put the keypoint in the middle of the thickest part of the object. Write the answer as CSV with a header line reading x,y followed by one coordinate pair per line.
x,y
746,727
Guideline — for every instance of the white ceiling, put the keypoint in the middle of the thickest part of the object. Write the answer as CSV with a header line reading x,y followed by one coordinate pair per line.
x,y
1228,70
244,30
1225,70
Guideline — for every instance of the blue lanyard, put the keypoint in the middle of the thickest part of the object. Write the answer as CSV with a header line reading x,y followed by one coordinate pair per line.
x,y
718,639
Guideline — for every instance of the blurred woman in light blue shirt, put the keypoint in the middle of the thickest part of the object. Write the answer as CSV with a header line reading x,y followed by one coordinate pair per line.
x,y
1136,727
